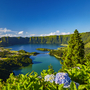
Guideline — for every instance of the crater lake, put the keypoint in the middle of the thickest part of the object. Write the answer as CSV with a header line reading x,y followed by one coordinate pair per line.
x,y
40,61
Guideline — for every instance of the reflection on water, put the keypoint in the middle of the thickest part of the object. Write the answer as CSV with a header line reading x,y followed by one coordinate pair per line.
x,y
41,61
17,72
20,71
33,61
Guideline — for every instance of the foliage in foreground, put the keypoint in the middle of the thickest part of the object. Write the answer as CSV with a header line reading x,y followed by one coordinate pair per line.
x,y
30,82
82,75
33,82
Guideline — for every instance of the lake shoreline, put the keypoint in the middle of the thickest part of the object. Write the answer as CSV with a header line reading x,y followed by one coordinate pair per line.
x,y
41,55
11,60
53,52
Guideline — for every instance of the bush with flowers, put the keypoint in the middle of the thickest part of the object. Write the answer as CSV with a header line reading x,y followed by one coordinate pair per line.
x,y
32,81
48,81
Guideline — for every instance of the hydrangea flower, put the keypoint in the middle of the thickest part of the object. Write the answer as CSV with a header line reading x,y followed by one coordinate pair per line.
x,y
63,78
50,78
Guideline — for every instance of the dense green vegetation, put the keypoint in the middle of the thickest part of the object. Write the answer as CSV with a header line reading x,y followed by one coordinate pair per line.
x,y
12,59
31,82
74,53
7,41
58,53
55,39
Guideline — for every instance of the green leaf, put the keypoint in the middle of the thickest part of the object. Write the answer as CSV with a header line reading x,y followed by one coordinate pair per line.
x,y
60,87
81,87
73,86
8,86
41,88
18,87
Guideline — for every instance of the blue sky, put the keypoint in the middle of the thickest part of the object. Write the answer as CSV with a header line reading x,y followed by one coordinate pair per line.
x,y
43,17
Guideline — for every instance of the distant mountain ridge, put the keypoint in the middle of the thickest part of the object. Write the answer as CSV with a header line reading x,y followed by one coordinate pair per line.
x,y
55,39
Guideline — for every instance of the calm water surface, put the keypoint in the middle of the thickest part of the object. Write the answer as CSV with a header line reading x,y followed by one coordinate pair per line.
x,y
41,61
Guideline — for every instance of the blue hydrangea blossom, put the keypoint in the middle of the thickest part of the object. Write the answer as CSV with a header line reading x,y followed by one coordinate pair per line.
x,y
63,78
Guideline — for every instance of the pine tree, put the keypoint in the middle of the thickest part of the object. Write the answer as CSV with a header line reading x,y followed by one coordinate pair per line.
x,y
75,51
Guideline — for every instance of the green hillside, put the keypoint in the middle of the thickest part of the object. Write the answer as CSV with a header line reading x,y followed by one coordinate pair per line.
x,y
55,39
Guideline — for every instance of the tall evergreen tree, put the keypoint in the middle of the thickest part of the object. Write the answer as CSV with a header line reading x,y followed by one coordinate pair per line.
x,y
75,51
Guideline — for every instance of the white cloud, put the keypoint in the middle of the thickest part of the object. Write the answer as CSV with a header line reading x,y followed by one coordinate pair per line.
x,y
63,33
21,32
52,33
32,34
55,33
4,30
10,35
42,35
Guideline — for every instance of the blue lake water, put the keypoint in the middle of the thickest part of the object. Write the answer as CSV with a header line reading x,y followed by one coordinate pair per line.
x,y
41,61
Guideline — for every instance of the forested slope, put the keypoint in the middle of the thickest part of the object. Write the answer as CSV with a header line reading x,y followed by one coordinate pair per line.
x,y
56,39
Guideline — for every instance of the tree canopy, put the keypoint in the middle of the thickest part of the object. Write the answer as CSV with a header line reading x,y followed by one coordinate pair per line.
x,y
74,53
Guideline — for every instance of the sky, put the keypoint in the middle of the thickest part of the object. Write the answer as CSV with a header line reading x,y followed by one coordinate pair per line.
x,y
28,18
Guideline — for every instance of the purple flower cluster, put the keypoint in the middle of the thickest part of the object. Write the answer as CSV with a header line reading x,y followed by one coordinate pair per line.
x,y
62,78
